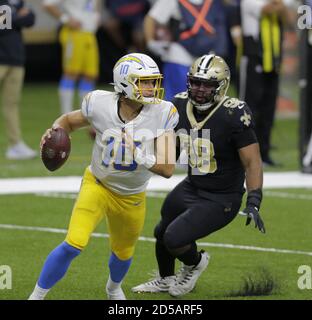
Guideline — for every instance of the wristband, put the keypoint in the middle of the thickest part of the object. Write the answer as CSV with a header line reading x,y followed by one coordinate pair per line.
x,y
147,161
254,198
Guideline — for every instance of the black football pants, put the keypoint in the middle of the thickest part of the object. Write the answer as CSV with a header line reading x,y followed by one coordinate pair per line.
x,y
187,216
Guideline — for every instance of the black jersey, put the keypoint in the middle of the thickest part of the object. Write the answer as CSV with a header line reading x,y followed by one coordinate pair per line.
x,y
212,142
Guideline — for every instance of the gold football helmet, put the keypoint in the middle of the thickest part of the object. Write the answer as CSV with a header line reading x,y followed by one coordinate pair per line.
x,y
208,81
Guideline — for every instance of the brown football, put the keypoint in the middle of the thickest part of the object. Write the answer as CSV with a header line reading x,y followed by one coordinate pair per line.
x,y
56,150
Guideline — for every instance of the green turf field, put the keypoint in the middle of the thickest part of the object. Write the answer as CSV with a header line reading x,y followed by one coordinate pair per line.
x,y
25,251
288,221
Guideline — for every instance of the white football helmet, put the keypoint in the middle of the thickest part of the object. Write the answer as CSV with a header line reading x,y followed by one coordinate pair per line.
x,y
128,73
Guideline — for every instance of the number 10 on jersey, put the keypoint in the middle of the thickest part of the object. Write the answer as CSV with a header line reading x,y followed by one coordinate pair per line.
x,y
114,153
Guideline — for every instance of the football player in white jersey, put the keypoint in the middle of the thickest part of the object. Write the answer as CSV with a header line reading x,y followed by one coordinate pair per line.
x,y
127,123
80,54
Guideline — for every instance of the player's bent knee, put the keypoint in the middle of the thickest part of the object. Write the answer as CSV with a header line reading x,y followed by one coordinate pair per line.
x,y
172,241
124,253
70,249
78,240
159,231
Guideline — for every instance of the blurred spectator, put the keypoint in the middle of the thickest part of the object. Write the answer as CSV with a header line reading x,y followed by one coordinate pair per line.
x,y
262,27
180,30
235,40
306,97
80,20
12,58
124,22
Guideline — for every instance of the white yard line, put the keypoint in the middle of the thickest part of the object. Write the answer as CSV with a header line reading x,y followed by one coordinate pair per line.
x,y
162,195
57,195
151,194
288,195
148,239
272,180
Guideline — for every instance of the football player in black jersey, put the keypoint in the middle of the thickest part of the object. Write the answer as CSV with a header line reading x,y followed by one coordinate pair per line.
x,y
217,134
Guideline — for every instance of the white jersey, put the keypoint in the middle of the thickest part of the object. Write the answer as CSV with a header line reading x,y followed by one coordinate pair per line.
x,y
85,11
111,163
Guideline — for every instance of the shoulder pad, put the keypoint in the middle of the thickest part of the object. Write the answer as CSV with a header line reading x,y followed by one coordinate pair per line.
x,y
239,113
103,92
233,103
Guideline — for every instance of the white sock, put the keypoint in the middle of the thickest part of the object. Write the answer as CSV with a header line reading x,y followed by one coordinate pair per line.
x,y
38,293
66,100
111,285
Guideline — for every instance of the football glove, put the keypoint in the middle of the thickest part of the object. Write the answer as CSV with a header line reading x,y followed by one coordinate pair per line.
x,y
252,213
254,199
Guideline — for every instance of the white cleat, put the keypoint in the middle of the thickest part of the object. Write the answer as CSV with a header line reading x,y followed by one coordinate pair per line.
x,y
188,277
33,297
156,285
117,294
20,151
38,293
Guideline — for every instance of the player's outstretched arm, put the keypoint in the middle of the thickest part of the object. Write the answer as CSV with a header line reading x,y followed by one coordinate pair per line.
x,y
251,160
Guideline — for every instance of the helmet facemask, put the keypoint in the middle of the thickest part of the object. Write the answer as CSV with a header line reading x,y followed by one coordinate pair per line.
x,y
144,94
202,92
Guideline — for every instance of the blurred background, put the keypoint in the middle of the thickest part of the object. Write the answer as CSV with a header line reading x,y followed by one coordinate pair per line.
x,y
116,36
